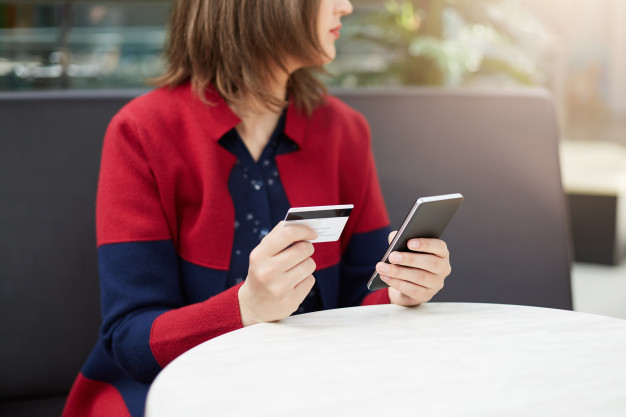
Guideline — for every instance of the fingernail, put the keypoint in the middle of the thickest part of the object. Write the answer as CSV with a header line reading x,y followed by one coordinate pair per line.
x,y
414,244
395,257
383,267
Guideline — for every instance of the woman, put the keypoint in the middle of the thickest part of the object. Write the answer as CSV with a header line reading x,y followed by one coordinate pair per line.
x,y
196,177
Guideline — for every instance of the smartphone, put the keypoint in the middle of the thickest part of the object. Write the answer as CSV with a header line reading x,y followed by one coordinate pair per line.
x,y
428,218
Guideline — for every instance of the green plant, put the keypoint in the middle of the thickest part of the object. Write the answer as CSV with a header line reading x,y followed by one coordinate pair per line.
x,y
437,42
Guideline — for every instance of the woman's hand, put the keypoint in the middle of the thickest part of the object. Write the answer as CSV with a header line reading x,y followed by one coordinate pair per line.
x,y
414,278
279,276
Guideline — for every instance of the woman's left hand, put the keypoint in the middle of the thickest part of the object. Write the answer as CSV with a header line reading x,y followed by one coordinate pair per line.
x,y
414,278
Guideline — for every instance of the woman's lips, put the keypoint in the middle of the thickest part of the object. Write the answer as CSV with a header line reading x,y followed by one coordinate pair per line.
x,y
335,31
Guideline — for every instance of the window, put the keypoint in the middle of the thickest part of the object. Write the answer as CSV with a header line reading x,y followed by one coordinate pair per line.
x,y
80,45
571,47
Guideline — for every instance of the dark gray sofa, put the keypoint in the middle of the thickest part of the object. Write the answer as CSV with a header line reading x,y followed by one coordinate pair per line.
x,y
509,240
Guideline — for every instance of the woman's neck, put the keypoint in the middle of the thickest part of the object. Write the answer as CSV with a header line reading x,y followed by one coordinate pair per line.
x,y
256,129
258,121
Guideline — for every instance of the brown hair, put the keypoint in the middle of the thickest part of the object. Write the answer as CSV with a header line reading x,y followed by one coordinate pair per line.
x,y
237,45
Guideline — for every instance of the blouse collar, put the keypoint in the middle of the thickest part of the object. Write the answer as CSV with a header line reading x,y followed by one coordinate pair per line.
x,y
218,118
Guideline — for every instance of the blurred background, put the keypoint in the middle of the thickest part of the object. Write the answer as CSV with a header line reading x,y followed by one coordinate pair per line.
x,y
573,48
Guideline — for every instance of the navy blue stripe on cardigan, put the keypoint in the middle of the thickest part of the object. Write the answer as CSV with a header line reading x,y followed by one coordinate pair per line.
x,y
142,280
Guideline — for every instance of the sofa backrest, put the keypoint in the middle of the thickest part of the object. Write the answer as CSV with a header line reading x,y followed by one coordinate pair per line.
x,y
509,240
50,145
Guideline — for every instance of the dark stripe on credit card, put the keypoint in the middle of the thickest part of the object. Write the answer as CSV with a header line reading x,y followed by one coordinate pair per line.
x,y
318,214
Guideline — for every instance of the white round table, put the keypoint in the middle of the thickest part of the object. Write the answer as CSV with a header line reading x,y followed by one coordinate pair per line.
x,y
442,359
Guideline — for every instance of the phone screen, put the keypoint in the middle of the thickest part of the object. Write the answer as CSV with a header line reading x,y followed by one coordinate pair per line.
x,y
428,218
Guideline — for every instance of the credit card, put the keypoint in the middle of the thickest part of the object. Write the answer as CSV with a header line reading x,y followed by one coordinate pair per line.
x,y
327,221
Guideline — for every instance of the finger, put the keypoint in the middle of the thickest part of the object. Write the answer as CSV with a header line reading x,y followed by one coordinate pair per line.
x,y
293,255
273,232
435,246
412,275
306,284
391,236
425,261
296,274
416,292
303,289
401,299
281,237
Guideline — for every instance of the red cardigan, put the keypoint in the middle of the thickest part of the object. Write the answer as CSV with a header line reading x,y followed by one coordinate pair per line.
x,y
165,223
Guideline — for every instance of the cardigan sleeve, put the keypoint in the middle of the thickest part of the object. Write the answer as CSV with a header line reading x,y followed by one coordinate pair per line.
x,y
368,241
146,322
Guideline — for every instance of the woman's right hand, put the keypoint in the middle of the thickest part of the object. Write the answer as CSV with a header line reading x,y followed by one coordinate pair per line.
x,y
280,275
